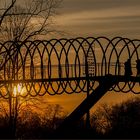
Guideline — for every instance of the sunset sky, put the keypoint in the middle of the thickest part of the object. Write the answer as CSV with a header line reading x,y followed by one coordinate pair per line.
x,y
95,18
84,18
100,18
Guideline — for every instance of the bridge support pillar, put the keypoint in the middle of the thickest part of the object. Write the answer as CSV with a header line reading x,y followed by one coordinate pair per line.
x,y
105,83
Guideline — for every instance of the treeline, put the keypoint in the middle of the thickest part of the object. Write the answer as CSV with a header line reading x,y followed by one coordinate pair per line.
x,y
31,124
117,121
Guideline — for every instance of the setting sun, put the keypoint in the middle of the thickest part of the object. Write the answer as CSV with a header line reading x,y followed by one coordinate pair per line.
x,y
18,90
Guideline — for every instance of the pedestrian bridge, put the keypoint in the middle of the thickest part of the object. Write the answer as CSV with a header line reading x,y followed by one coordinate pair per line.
x,y
66,65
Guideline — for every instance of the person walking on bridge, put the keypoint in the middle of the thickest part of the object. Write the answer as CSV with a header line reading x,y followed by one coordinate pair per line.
x,y
138,67
128,70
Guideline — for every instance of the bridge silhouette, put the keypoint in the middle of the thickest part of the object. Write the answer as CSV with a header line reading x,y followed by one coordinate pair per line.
x,y
57,66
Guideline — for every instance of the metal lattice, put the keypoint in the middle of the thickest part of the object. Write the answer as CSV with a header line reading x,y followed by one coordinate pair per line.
x,y
56,66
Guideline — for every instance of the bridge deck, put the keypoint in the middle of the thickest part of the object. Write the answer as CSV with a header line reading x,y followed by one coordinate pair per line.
x,y
94,78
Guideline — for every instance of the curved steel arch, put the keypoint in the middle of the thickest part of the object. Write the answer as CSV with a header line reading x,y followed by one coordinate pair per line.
x,y
59,66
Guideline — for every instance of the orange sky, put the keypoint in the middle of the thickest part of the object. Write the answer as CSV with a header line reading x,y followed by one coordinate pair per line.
x,y
70,102
95,18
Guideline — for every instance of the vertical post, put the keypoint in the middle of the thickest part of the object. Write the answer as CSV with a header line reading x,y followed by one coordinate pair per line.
x,y
71,65
98,66
88,84
15,116
105,83
10,112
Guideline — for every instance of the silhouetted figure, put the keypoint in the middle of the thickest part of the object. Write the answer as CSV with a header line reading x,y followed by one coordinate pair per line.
x,y
128,71
138,67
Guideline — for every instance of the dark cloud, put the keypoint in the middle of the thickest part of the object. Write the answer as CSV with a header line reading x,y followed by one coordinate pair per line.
x,y
101,17
82,5
135,18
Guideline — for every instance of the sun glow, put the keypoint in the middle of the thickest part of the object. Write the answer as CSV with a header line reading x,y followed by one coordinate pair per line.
x,y
18,90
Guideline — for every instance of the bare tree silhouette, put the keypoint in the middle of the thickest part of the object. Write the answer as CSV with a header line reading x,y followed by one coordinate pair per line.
x,y
20,22
28,20
17,110
53,114
119,121
5,9
34,118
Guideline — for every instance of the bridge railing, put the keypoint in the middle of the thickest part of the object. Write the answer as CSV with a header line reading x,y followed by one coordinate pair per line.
x,y
65,65
70,71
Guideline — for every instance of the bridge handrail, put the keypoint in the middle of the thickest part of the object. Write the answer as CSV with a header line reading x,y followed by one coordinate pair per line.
x,y
68,58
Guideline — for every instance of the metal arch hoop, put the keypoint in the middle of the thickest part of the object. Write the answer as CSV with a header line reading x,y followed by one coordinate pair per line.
x,y
66,76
